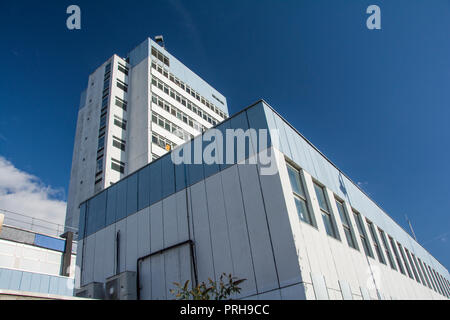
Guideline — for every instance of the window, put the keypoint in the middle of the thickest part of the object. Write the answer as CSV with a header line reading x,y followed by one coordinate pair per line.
x,y
122,85
427,268
387,251
325,211
348,230
120,122
119,143
103,121
108,68
418,269
101,142
424,273
121,103
117,165
438,287
99,167
122,68
299,195
439,279
362,234
376,243
161,57
404,260
411,263
163,142
397,257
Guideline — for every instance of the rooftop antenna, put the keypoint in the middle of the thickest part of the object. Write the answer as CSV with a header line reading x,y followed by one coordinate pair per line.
x,y
160,40
410,227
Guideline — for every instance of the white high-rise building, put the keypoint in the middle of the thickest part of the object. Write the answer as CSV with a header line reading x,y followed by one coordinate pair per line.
x,y
133,111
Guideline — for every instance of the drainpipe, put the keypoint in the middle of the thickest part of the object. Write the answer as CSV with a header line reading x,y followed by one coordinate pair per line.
x,y
67,255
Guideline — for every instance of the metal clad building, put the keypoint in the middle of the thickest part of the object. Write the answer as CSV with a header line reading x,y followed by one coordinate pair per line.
x,y
305,232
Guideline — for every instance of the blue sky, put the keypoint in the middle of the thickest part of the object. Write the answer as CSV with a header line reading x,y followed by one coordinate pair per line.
x,y
375,102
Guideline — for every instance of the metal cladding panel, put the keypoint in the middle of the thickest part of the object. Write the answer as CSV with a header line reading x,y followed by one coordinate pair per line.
x,y
185,261
297,156
171,271
220,240
121,203
294,292
212,148
155,182
44,284
223,130
168,176
143,232
111,205
158,283
145,279
121,228
257,120
54,285
25,283
16,278
170,225
5,278
181,199
132,194
202,235
195,171
260,240
87,275
237,225
284,142
240,122
132,243
90,217
99,258
180,177
62,286
156,227
35,282
100,211
109,255
144,188
285,252
320,288
345,290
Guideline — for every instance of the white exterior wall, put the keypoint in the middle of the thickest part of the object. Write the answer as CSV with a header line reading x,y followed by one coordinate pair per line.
x,y
246,224
343,268
238,226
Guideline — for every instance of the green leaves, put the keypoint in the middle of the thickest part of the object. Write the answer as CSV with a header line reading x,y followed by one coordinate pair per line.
x,y
227,286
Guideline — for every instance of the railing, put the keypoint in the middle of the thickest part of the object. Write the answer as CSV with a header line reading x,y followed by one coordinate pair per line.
x,y
23,221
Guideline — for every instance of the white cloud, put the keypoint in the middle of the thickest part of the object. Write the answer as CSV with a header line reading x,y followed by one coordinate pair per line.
x,y
24,193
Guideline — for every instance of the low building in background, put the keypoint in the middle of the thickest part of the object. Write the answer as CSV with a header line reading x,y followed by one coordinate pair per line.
x,y
279,214
35,263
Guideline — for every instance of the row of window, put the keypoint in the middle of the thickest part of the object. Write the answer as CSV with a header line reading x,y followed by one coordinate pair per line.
x,y
163,142
189,90
169,126
384,249
175,95
177,113
160,56
102,127
122,68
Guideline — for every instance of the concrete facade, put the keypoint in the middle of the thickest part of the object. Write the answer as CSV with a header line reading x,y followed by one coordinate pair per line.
x,y
247,223
133,110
